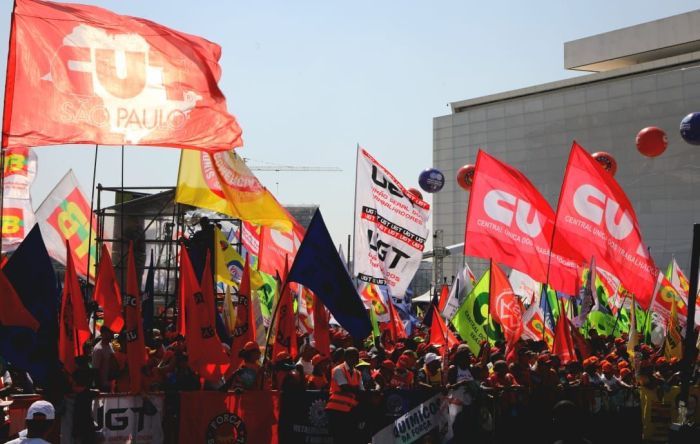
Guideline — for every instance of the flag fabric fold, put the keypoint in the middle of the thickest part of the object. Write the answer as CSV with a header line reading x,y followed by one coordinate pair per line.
x,y
107,293
73,326
440,334
318,266
243,317
322,336
505,307
14,313
563,341
135,344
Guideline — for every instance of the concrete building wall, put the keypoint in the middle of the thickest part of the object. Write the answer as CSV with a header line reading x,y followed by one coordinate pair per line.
x,y
533,132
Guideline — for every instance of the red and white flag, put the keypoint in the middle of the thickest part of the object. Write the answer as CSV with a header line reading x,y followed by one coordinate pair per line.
x,y
595,218
83,74
504,306
509,220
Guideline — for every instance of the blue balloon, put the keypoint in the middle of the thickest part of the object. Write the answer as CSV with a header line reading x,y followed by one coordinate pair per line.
x,y
690,128
431,180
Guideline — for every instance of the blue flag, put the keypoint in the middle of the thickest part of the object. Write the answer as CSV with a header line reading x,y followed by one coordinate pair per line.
x,y
30,272
147,309
318,266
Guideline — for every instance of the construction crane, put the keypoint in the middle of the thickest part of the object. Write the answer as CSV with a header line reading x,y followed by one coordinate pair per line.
x,y
269,166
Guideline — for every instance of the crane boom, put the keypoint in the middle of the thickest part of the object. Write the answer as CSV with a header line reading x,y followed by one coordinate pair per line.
x,y
291,168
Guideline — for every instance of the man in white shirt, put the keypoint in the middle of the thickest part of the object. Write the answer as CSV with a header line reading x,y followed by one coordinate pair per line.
x,y
103,359
306,355
39,420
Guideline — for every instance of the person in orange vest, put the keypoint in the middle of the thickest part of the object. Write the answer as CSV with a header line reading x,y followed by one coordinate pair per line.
x,y
346,384
318,380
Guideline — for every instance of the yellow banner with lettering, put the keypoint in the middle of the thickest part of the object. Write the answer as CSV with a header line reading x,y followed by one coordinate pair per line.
x,y
223,183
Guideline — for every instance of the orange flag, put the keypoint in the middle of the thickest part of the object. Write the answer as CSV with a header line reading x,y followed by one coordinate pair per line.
x,y
440,334
13,312
73,328
322,336
396,328
563,342
206,354
107,293
286,338
244,330
135,347
444,295
504,306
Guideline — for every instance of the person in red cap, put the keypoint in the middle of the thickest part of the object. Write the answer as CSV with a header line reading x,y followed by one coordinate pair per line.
x,y
286,375
318,380
346,385
608,377
249,375
384,375
403,375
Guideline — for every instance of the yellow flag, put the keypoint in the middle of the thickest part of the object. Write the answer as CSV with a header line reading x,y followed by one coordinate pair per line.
x,y
229,264
229,310
673,346
223,183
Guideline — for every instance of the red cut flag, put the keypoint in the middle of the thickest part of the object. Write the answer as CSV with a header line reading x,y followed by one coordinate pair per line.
x,y
277,248
509,221
73,327
563,342
83,74
14,313
439,333
244,330
135,347
396,327
595,218
107,293
504,306
322,335
444,295
206,354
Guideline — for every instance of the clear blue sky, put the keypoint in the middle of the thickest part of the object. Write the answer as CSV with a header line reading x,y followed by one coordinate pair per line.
x,y
308,80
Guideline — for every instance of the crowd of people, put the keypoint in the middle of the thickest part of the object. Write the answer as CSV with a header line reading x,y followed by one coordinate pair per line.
x,y
353,367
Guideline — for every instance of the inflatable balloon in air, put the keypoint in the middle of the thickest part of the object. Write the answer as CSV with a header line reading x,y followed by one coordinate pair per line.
x,y
690,128
652,141
607,161
465,176
431,180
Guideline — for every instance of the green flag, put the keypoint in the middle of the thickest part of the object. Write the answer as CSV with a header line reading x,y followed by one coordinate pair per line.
x,y
266,294
375,325
603,322
472,319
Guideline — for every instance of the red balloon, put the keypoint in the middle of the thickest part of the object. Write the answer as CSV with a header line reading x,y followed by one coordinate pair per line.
x,y
416,193
607,161
465,176
652,141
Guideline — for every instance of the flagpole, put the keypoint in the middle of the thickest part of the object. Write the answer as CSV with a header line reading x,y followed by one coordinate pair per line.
x,y
354,219
92,208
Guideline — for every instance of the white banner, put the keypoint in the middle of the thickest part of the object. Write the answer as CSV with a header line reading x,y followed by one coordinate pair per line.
x,y
121,420
430,415
19,171
524,286
65,215
461,287
390,230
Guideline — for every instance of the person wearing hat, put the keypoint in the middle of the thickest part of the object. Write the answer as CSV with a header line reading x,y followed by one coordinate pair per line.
x,y
249,374
383,376
365,369
403,375
39,420
610,382
318,380
286,375
346,385
430,375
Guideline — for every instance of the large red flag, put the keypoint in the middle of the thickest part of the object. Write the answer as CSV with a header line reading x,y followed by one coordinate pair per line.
x,y
286,338
73,325
322,335
595,218
444,295
563,341
83,74
107,293
244,331
13,312
510,221
206,354
504,306
439,333
135,347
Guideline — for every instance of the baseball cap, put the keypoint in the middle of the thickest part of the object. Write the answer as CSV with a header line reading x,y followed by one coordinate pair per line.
x,y
430,357
41,408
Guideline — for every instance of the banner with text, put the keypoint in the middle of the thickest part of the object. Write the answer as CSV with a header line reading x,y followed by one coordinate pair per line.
x,y
391,227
